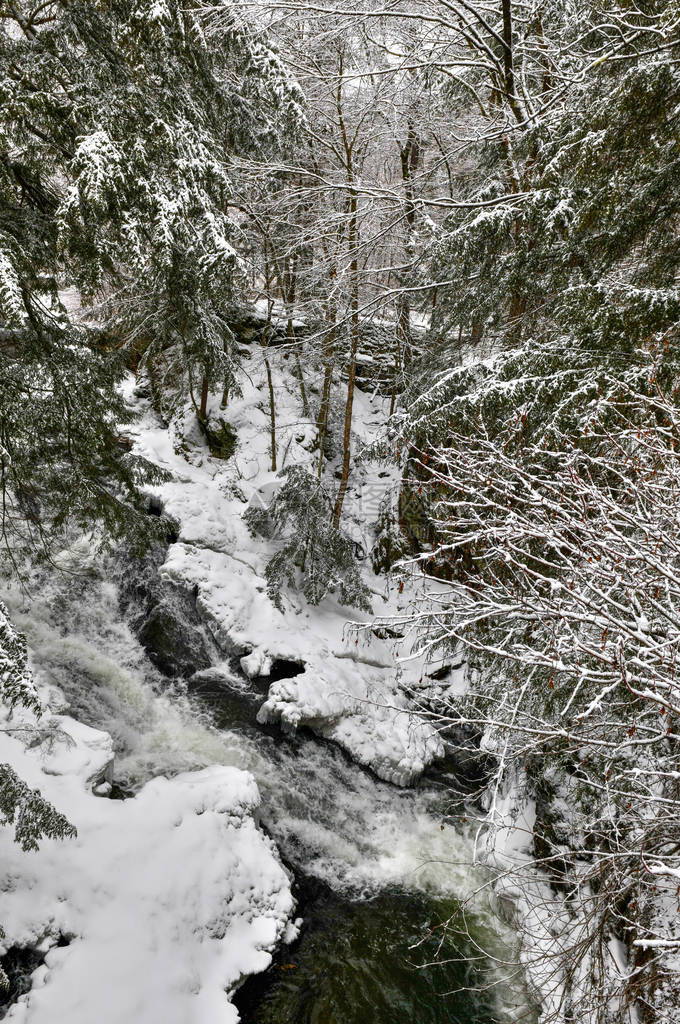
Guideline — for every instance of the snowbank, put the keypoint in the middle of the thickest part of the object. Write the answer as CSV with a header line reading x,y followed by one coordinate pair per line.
x,y
554,932
350,691
349,702
168,900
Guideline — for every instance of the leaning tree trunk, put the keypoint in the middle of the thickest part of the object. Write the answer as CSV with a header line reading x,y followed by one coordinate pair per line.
x,y
351,371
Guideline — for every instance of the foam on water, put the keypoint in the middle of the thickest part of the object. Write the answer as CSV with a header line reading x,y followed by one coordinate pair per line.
x,y
348,827
329,818
80,642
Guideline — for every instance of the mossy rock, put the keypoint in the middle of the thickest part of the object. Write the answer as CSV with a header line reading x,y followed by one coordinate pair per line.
x,y
221,438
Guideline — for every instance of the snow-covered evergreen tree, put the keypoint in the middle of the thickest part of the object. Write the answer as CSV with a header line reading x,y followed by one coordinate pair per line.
x,y
566,260
117,127
316,557
542,429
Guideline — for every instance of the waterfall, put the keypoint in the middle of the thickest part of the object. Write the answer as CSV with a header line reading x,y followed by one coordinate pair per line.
x,y
332,821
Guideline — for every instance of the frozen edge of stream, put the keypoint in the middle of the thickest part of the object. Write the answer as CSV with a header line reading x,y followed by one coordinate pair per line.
x,y
166,900
351,689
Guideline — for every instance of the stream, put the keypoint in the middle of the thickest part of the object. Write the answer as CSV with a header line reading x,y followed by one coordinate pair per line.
x,y
378,870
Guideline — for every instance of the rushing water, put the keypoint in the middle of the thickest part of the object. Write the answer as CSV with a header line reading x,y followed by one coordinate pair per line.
x,y
379,870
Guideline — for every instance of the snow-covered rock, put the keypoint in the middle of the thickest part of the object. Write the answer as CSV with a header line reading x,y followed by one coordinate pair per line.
x,y
256,664
352,691
168,899
351,703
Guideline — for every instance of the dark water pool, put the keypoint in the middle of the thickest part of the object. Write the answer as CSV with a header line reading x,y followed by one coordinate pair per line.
x,y
352,965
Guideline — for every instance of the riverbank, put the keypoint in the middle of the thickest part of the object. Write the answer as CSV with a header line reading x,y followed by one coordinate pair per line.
x,y
186,664
352,843
162,903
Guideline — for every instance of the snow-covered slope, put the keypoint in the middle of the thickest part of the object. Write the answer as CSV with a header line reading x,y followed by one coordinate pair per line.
x,y
351,685
168,899
554,930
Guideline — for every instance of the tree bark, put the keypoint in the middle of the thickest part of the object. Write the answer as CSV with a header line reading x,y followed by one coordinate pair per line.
x,y
351,371
352,245
410,156
328,353
272,413
203,411
508,61
265,340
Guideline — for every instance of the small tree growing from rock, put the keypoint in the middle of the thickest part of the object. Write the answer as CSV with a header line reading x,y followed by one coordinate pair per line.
x,y
316,557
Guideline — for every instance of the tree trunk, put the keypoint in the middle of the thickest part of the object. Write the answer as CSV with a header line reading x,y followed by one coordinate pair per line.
x,y
265,341
409,154
346,437
203,411
508,61
352,246
156,399
272,413
328,352
397,368
287,280
351,373
290,336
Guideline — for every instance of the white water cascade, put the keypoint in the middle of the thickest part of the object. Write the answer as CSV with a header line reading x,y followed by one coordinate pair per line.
x,y
329,818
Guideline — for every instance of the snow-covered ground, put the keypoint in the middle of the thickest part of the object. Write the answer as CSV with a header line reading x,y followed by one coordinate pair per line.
x,y
167,900
351,688
550,926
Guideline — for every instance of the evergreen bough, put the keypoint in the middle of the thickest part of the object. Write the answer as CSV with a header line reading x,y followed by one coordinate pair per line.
x,y
118,120
33,817
315,558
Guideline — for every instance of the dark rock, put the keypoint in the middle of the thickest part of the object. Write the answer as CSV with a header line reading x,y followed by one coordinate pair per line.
x,y
155,506
19,963
176,646
164,617
283,668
